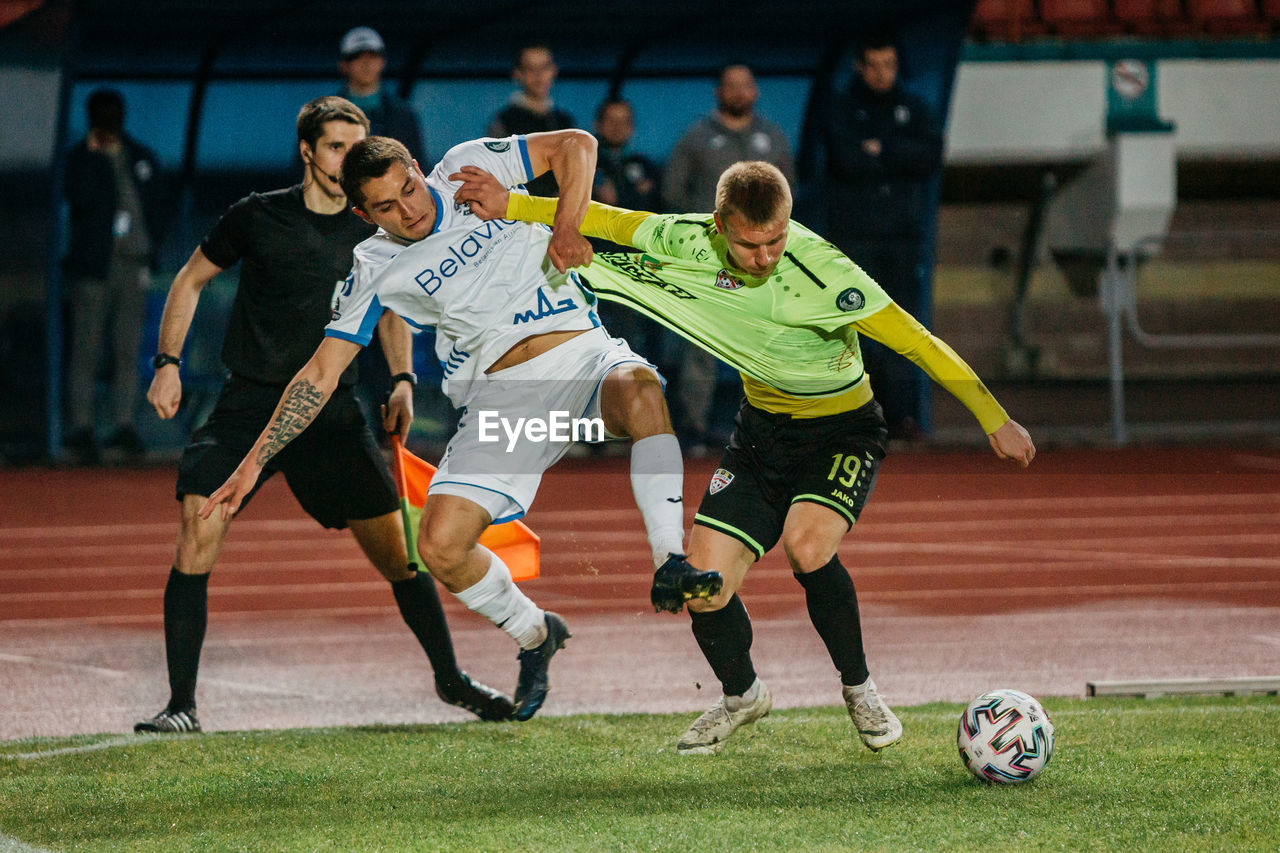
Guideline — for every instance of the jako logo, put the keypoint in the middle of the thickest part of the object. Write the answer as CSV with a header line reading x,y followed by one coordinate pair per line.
x,y
463,253
558,428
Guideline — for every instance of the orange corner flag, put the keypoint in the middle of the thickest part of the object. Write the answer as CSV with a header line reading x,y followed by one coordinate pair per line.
x,y
517,545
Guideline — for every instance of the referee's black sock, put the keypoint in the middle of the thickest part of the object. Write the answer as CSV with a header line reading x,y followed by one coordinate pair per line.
x,y
724,636
419,604
186,613
833,609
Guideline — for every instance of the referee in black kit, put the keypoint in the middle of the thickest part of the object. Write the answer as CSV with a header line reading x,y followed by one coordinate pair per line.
x,y
295,245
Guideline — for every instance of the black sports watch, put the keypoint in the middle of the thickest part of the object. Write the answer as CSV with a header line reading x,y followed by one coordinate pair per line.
x,y
411,378
163,358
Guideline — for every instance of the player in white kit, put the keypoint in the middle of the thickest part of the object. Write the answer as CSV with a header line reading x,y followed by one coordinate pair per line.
x,y
519,341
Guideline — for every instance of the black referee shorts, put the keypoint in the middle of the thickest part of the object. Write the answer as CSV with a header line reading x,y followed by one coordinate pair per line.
x,y
774,460
334,468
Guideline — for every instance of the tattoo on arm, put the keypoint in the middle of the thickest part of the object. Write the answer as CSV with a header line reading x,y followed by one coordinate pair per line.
x,y
302,402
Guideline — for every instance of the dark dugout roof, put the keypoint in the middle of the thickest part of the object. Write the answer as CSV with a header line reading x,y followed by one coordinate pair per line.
x,y
464,37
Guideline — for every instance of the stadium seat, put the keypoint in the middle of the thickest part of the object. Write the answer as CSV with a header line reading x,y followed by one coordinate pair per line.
x,y
1225,17
1152,17
1271,12
12,10
1005,20
1076,17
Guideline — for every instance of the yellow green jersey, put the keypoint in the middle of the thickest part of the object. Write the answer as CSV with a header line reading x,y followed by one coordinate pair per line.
x,y
793,336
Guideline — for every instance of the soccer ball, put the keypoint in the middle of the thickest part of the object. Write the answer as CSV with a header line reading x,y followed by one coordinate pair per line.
x,y
1005,736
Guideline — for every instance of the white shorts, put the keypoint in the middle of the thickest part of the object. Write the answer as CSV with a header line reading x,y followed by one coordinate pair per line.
x,y
519,421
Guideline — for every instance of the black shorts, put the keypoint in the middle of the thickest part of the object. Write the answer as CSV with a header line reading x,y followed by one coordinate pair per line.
x,y
775,460
334,468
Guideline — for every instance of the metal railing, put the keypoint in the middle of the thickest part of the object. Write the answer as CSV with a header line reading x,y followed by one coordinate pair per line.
x,y
1118,299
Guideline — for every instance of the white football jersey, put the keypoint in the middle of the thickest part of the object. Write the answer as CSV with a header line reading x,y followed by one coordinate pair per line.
x,y
483,286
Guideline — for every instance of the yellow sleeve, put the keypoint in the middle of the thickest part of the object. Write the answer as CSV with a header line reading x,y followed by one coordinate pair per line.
x,y
611,223
903,333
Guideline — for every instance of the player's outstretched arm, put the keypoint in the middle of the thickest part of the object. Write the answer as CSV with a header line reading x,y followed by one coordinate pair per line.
x,y
483,193
571,157
306,395
902,333
165,392
1013,442
489,199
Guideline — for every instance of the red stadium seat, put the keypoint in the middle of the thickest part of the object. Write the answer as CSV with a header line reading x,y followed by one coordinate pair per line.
x,y
1271,13
1076,17
12,10
1005,20
1225,16
1152,17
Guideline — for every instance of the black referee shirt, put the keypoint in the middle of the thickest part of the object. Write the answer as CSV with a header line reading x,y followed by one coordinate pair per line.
x,y
292,259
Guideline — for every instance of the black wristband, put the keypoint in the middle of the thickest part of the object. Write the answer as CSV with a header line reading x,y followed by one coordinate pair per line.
x,y
164,358
411,378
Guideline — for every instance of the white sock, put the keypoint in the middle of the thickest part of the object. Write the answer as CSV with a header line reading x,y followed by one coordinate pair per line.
x,y
657,481
496,597
864,686
737,703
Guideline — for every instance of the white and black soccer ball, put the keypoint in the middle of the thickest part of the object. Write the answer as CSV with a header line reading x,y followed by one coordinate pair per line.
x,y
1005,736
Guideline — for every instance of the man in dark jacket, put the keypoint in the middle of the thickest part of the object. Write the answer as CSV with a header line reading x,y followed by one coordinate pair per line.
x,y
113,190
531,108
882,149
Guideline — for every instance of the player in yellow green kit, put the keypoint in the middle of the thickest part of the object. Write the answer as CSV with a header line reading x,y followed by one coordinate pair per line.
x,y
785,308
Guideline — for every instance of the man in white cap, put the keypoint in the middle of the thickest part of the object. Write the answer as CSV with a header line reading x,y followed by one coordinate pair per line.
x,y
362,57
361,60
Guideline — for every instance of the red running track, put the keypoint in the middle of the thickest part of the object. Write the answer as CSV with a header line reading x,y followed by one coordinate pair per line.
x,y
971,574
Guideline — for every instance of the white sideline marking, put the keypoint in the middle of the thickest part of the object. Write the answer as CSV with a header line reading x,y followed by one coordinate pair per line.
x,y
1093,712
122,740
13,845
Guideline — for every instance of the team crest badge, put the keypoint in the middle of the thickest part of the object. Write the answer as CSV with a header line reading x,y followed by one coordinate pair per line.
x,y
851,300
498,146
724,281
720,480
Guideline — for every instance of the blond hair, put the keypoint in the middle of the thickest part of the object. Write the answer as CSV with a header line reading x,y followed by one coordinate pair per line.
x,y
755,190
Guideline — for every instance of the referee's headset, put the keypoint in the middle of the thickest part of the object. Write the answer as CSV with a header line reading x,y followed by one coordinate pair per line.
x,y
311,161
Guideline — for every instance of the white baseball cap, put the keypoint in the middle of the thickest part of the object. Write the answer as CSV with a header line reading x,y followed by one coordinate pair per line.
x,y
361,40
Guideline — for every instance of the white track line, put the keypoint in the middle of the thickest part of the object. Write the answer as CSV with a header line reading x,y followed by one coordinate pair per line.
x,y
47,663
130,531
74,667
1263,463
922,506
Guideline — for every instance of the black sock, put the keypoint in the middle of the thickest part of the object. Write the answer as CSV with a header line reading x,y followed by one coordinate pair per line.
x,y
833,609
420,606
724,636
186,613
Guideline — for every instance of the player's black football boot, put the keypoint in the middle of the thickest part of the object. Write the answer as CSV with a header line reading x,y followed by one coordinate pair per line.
x,y
676,582
534,680
170,722
480,699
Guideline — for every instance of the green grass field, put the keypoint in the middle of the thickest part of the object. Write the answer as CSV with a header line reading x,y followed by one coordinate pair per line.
x,y
1196,773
